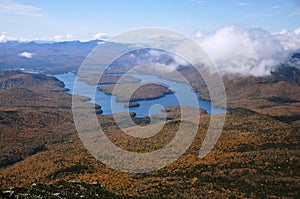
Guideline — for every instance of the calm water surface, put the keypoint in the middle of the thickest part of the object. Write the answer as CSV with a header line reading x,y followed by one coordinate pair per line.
x,y
185,94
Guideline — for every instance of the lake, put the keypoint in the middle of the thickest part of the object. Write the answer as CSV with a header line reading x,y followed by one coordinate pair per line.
x,y
185,96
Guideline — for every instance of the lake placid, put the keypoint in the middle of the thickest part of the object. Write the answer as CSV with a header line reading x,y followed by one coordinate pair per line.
x,y
183,95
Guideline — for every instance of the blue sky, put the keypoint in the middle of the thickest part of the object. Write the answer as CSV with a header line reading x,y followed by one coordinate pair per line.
x,y
79,19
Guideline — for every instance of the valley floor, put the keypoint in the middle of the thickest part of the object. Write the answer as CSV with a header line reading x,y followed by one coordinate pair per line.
x,y
257,155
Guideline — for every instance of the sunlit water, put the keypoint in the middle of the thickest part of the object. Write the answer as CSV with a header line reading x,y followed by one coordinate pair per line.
x,y
109,105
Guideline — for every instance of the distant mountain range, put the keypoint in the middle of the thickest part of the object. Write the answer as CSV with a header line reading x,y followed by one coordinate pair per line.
x,y
67,56
33,55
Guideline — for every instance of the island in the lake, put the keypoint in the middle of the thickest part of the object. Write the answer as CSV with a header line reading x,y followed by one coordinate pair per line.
x,y
135,92
131,105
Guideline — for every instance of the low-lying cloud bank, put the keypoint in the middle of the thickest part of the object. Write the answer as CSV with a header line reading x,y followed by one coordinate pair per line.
x,y
239,50
26,55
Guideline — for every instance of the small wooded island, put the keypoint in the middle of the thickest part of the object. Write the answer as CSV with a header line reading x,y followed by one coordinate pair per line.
x,y
131,105
134,92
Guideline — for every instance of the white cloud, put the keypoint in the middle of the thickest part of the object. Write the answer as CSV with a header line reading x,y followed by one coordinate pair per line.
x,y
2,38
198,34
10,6
297,31
5,38
26,55
236,49
100,36
157,56
290,40
68,37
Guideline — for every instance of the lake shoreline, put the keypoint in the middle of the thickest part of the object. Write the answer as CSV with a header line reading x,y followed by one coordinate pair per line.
x,y
111,106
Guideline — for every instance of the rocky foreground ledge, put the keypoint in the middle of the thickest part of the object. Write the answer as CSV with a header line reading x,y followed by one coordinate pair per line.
x,y
62,189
